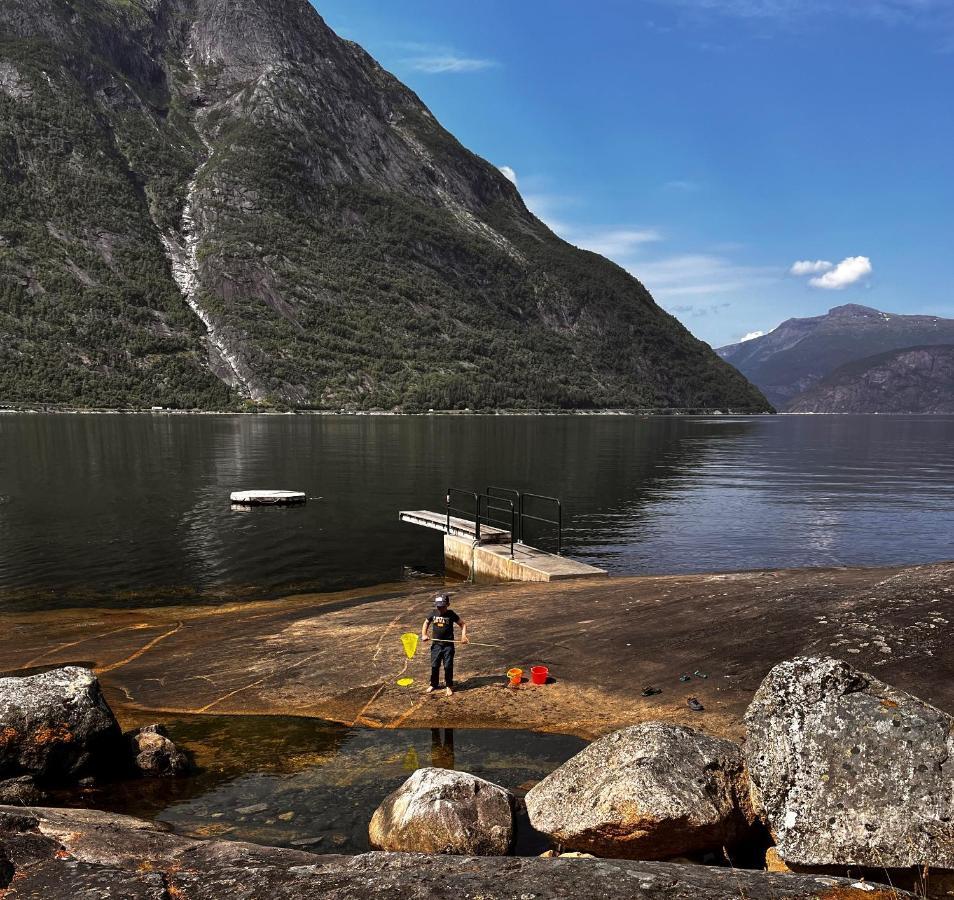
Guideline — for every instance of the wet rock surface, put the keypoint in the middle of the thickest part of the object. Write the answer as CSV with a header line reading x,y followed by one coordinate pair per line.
x,y
56,726
846,770
892,621
55,856
22,790
154,754
652,791
441,811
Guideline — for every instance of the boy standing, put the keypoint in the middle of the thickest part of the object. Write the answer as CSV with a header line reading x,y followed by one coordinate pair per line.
x,y
441,621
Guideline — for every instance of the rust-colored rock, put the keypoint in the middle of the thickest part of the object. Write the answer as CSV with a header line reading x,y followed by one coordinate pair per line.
x,y
56,726
652,791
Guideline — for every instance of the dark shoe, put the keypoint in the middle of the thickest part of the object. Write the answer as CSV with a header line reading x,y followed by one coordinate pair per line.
x,y
685,678
651,691
699,674
694,705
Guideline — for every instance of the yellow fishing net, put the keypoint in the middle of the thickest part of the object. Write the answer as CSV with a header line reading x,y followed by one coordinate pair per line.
x,y
410,644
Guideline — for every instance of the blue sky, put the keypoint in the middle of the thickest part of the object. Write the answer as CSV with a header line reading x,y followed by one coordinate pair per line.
x,y
708,145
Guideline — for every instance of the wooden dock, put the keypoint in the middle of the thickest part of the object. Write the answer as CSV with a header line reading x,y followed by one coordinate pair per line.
x,y
461,528
490,559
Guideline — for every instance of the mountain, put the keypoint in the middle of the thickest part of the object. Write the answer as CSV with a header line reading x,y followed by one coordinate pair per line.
x,y
911,380
220,202
801,352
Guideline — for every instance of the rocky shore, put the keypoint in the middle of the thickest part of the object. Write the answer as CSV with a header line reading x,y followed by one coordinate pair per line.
x,y
819,765
339,656
843,786
57,729
52,854
839,773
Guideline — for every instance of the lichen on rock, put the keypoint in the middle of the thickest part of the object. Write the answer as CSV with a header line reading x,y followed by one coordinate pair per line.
x,y
846,770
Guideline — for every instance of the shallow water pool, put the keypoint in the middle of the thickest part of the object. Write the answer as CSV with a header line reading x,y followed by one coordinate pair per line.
x,y
310,784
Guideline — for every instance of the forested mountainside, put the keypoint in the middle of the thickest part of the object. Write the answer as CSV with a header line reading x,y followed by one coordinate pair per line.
x,y
801,352
220,203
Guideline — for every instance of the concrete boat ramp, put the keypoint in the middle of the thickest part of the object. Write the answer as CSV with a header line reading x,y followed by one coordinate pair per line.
x,y
493,555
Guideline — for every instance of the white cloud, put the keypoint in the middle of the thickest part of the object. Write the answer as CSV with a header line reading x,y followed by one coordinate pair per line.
x,y
509,174
848,271
611,242
614,242
698,274
808,267
751,336
449,62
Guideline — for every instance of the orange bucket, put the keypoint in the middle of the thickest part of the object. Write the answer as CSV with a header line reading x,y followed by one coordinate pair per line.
x,y
515,676
538,674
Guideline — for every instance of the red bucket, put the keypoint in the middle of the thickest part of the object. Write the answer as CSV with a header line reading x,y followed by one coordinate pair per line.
x,y
538,674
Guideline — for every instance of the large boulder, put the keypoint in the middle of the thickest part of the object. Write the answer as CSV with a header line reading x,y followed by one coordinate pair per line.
x,y
154,754
653,791
441,811
846,770
56,726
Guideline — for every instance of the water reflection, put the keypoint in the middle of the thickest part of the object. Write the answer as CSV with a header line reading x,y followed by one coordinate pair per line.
x,y
134,509
306,783
442,748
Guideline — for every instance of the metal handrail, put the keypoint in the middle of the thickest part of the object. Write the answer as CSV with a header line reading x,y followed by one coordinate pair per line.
x,y
514,496
516,507
490,520
558,521
475,513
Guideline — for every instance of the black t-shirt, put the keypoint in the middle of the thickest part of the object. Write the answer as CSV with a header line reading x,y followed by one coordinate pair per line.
x,y
442,624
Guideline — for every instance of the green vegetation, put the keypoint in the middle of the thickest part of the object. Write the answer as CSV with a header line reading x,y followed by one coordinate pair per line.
x,y
335,270
89,315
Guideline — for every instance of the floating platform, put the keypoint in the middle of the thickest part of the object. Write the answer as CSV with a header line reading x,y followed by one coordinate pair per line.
x,y
267,498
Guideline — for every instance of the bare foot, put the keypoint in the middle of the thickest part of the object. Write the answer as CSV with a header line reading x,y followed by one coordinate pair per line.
x,y
449,691
430,690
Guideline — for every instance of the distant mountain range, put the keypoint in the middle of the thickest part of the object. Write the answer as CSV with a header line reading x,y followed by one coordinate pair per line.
x,y
223,204
911,380
845,354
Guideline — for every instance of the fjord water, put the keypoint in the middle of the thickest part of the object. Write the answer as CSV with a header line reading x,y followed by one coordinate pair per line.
x,y
134,509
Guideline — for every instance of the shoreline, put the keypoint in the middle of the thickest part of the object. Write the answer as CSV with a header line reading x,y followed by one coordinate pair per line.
x,y
338,656
649,412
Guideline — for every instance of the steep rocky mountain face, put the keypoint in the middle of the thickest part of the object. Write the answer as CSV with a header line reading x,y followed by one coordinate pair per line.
x,y
217,202
912,380
801,352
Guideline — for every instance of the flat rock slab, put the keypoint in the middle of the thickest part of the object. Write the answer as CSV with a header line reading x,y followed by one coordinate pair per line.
x,y
267,498
338,656
82,860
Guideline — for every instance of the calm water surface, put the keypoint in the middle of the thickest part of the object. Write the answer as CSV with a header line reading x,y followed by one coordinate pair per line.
x,y
305,783
135,509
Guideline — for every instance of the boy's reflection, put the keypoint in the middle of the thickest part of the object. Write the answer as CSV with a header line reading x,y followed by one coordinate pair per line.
x,y
442,749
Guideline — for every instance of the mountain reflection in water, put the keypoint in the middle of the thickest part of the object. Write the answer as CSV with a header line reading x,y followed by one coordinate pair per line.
x,y
133,510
